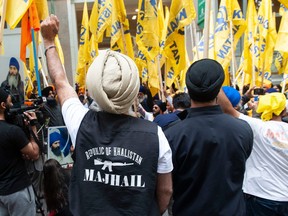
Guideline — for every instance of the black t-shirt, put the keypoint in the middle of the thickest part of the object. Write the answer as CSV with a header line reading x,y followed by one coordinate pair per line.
x,y
13,174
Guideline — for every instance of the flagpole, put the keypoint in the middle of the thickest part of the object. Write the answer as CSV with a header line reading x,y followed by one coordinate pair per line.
x,y
160,78
284,83
206,28
36,63
123,38
192,41
195,37
2,25
126,53
232,52
253,64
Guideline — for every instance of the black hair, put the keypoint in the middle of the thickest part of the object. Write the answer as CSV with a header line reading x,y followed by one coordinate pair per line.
x,y
181,101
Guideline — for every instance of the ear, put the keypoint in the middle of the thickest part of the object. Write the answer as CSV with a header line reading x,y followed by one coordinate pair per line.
x,y
3,105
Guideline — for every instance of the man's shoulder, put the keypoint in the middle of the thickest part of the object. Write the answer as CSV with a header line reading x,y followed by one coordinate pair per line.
x,y
4,83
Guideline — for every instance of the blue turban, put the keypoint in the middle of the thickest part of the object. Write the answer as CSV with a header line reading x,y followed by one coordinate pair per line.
x,y
232,94
271,90
14,62
64,142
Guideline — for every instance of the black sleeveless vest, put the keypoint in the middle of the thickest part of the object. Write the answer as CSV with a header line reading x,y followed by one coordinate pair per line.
x,y
115,168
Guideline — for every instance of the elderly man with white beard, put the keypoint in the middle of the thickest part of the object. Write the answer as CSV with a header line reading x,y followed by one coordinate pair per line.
x,y
14,83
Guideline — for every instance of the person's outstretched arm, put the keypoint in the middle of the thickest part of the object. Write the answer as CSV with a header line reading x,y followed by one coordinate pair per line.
x,y
225,104
49,29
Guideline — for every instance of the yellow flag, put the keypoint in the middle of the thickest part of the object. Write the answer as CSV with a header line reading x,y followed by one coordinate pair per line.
x,y
162,23
42,8
15,10
120,33
169,73
284,2
84,49
28,84
266,30
281,60
282,39
100,18
229,14
93,48
141,62
153,79
181,14
147,30
249,39
176,53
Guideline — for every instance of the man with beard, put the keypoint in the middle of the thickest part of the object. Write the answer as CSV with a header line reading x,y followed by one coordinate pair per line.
x,y
16,192
51,109
14,83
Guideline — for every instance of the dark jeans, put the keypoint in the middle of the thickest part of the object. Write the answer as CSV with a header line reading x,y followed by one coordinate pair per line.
x,y
256,206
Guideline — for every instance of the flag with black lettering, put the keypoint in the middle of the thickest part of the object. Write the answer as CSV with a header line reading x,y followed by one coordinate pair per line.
x,y
281,46
120,33
147,36
100,18
181,14
229,16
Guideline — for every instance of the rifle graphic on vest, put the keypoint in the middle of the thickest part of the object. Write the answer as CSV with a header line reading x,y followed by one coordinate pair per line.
x,y
110,164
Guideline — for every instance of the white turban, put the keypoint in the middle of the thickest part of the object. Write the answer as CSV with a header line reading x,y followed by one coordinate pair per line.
x,y
113,81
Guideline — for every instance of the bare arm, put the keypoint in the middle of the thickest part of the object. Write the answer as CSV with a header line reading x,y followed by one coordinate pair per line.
x,y
49,29
164,190
225,104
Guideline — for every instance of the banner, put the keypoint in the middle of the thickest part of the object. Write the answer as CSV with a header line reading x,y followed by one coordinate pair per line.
x,y
181,14
100,18
266,35
229,14
84,49
147,30
15,10
120,33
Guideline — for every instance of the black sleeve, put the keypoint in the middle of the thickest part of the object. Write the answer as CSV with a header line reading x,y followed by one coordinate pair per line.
x,y
245,100
17,137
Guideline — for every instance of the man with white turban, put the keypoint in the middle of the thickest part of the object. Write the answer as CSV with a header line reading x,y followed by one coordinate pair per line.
x,y
265,184
122,164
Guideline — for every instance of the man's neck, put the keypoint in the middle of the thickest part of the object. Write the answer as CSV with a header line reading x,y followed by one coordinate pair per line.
x,y
2,117
197,104
276,118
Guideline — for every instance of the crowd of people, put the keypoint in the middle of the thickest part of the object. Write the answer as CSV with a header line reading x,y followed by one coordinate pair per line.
x,y
206,152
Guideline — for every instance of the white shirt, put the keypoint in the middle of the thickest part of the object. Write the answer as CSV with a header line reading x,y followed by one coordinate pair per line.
x,y
266,173
73,113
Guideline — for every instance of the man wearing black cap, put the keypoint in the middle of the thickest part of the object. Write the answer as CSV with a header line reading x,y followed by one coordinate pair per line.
x,y
51,109
209,149
14,83
16,192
